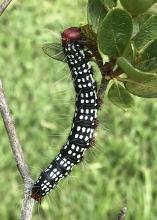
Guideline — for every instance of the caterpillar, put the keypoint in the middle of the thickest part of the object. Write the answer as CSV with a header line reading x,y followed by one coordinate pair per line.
x,y
81,136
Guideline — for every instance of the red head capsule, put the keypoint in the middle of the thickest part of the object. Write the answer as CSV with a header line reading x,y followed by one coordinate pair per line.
x,y
71,34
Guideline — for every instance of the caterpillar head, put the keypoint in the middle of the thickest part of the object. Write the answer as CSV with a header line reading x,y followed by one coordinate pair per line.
x,y
71,34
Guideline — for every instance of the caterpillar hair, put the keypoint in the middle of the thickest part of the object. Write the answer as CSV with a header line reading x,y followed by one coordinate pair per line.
x,y
81,136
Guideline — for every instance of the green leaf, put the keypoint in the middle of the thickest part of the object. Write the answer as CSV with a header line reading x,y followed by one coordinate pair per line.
x,y
115,32
133,73
120,97
55,51
148,89
147,33
148,58
138,83
109,3
95,13
136,7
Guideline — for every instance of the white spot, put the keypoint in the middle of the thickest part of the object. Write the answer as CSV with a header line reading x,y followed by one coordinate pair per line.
x,y
76,135
87,111
82,110
54,176
69,152
81,116
73,146
77,149
81,136
68,168
85,70
88,130
91,118
83,129
78,128
86,138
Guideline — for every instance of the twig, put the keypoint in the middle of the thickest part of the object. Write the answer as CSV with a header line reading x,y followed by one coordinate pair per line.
x,y
122,213
91,43
104,81
4,5
27,206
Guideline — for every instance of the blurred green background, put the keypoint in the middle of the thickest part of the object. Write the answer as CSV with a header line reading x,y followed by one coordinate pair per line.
x,y
119,171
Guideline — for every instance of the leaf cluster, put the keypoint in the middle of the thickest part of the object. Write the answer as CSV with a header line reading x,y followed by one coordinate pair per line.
x,y
123,42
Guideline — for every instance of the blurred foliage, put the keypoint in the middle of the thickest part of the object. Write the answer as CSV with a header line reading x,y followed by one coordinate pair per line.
x,y
120,170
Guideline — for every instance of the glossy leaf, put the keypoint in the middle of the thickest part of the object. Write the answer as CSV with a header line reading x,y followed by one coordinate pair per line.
x,y
136,7
133,73
148,89
148,58
95,13
55,51
120,97
109,3
138,83
115,32
147,33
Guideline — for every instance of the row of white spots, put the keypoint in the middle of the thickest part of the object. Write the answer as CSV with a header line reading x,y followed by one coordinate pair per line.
x,y
85,85
85,117
87,101
84,79
87,95
74,150
87,111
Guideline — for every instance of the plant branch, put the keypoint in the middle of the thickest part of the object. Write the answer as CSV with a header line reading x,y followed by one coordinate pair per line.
x,y
4,5
104,81
122,213
91,43
27,206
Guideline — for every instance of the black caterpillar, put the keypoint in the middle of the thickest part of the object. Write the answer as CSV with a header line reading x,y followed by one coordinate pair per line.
x,y
85,121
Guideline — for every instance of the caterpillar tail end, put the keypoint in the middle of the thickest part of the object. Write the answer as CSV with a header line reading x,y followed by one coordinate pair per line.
x,y
36,195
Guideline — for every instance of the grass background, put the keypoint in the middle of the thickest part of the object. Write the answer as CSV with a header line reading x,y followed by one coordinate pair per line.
x,y
119,171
